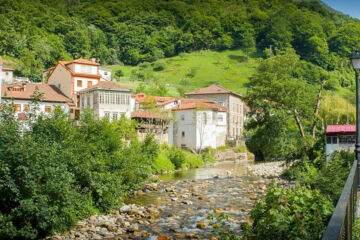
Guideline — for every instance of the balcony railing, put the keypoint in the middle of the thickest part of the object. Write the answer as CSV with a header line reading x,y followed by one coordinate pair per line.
x,y
341,222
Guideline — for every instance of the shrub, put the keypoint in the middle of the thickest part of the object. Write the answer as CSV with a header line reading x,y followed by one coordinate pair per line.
x,y
289,214
119,73
176,156
162,163
144,65
54,173
159,65
192,160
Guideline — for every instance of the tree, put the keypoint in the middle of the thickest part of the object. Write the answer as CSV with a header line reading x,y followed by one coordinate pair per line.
x,y
248,43
276,93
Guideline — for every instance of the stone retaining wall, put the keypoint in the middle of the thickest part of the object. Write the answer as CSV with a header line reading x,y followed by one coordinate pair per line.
x,y
228,154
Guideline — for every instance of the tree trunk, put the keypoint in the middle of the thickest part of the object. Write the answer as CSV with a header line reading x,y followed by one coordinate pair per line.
x,y
316,112
298,122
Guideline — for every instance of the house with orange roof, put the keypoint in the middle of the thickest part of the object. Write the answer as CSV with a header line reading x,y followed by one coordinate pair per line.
x,y
21,95
108,99
73,76
229,99
198,124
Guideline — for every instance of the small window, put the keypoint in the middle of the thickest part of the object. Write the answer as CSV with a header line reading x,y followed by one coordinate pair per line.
x,y
26,108
88,101
79,83
71,110
107,114
48,109
17,107
82,101
105,73
115,116
182,117
89,83
334,140
220,117
183,134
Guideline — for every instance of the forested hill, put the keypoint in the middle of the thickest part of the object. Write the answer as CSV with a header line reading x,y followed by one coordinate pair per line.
x,y
40,32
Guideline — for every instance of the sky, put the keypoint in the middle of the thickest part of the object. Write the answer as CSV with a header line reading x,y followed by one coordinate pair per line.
x,y
349,7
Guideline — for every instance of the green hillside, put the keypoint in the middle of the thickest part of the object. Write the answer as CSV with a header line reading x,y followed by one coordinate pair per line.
x,y
195,70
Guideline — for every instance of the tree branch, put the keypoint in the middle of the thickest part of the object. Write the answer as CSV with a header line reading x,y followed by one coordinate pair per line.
x,y
298,122
316,111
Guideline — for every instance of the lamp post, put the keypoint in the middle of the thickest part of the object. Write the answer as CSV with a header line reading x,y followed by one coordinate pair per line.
x,y
355,61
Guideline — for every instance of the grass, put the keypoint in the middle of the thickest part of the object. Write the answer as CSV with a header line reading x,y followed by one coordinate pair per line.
x,y
199,69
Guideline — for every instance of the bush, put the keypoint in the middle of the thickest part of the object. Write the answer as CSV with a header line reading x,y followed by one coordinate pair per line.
x,y
192,160
54,173
289,214
176,156
162,163
159,65
144,65
119,73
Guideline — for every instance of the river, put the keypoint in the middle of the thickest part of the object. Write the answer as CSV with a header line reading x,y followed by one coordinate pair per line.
x,y
185,200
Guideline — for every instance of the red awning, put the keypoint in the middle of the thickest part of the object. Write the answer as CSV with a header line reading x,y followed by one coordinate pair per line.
x,y
340,129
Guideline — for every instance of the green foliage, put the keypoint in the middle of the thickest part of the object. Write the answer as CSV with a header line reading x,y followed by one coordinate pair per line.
x,y
162,163
119,73
159,65
221,227
328,178
356,229
192,160
297,213
54,173
176,156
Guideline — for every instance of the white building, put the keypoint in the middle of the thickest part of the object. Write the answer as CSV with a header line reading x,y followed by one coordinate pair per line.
x,y
6,74
198,124
21,97
339,138
105,74
108,99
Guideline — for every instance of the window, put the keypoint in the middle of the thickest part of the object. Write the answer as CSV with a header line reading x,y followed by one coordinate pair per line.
x,y
26,108
82,101
79,83
220,117
89,83
48,109
332,139
182,117
347,139
107,114
105,73
204,118
17,107
220,103
115,116
182,134
88,101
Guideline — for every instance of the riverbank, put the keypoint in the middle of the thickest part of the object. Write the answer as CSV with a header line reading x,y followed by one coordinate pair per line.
x,y
178,205
268,169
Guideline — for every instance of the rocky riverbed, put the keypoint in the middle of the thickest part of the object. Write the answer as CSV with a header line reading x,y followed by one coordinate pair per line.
x,y
268,169
179,209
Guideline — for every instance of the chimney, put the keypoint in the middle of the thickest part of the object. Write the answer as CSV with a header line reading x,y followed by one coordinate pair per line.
x,y
93,60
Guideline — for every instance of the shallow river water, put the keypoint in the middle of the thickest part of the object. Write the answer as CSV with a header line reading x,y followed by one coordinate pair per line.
x,y
185,200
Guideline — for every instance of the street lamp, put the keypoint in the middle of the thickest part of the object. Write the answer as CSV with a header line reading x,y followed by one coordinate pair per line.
x,y
355,61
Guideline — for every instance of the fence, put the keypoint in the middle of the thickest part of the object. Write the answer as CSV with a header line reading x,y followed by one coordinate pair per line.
x,y
341,222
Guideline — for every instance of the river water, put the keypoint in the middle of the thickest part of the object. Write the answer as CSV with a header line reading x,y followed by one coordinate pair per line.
x,y
185,200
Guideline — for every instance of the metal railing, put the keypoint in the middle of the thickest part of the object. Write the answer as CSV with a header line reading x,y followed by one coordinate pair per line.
x,y
341,222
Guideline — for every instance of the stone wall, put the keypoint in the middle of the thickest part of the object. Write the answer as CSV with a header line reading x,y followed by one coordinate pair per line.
x,y
229,155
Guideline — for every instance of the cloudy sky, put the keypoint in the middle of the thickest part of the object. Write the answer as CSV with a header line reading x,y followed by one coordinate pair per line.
x,y
349,7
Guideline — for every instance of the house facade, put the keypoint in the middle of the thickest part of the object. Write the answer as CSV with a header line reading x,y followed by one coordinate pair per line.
x,y
226,98
72,77
340,138
198,125
105,74
108,99
20,96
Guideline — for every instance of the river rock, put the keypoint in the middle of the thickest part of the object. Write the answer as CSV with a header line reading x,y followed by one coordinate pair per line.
x,y
201,225
125,208
187,202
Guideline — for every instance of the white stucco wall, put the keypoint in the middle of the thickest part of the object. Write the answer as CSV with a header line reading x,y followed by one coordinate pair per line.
x,y
65,107
6,76
87,100
190,131
83,68
84,83
105,74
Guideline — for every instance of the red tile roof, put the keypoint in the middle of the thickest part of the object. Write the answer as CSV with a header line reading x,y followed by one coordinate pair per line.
x,y
148,114
199,106
1,61
74,74
142,97
7,69
340,129
84,61
50,93
106,85
213,89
